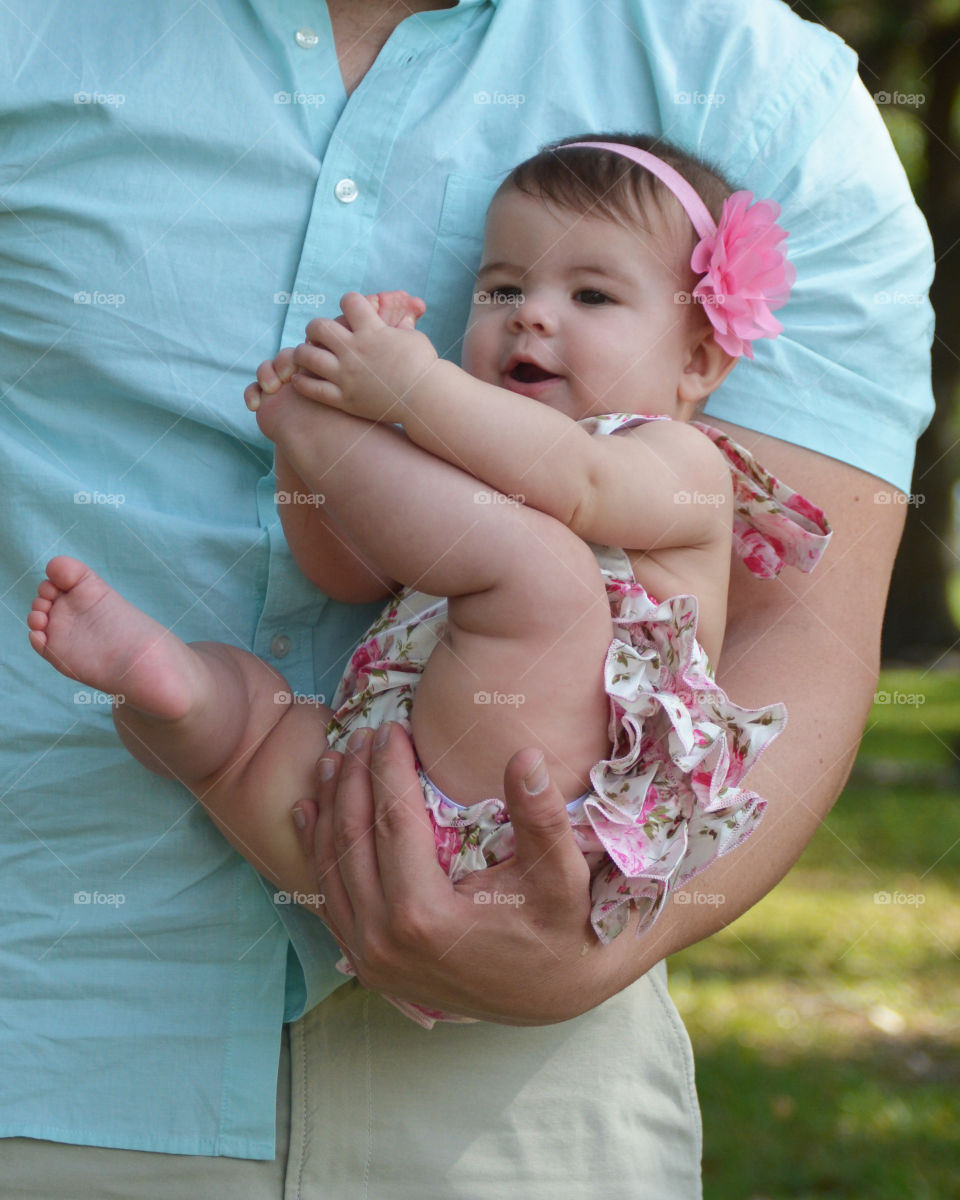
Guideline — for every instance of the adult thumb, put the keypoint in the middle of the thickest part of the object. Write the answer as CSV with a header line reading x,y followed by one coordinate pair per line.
x,y
538,813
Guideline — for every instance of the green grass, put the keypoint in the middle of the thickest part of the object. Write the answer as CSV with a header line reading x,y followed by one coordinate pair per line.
x,y
824,1021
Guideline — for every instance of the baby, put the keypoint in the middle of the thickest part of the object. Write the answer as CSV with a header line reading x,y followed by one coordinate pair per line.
x,y
618,288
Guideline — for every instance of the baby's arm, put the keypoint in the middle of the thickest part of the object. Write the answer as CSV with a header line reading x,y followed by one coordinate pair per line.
x,y
629,490
323,551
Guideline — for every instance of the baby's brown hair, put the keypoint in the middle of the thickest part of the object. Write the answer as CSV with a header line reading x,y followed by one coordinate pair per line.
x,y
605,184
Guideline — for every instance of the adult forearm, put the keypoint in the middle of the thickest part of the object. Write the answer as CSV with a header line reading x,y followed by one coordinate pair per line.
x,y
813,642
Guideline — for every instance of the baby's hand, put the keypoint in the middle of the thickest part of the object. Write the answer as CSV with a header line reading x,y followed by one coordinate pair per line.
x,y
397,309
360,364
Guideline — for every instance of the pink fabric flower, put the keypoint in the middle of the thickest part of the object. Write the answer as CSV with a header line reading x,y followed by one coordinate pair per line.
x,y
759,555
367,655
745,273
448,842
800,504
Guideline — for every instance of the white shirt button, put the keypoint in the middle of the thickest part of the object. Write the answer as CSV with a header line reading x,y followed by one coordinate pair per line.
x,y
306,38
281,646
346,191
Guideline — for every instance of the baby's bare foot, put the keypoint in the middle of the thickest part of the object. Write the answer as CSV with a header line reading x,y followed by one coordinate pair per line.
x,y
399,309
85,629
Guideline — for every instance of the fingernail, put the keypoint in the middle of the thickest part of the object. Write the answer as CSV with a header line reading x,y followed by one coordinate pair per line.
x,y
326,769
253,404
299,817
380,737
357,739
536,779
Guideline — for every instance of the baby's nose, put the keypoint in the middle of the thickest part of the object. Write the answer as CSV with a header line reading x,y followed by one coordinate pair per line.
x,y
534,314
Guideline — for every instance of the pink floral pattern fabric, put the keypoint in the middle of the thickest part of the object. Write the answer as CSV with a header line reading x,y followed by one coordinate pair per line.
x,y
668,801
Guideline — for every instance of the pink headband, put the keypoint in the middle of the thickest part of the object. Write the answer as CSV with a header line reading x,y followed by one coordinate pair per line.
x,y
745,271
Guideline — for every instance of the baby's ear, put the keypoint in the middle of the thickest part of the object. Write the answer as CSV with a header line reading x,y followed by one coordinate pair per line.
x,y
706,367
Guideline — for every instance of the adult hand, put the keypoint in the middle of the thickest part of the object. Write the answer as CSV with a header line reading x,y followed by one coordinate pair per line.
x,y
530,958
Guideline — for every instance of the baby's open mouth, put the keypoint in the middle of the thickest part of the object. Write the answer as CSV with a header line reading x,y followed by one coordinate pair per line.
x,y
528,372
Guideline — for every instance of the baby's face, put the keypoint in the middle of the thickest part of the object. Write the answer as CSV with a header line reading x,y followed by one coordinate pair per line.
x,y
578,312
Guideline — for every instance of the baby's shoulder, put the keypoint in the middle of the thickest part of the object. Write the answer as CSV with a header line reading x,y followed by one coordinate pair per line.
x,y
684,448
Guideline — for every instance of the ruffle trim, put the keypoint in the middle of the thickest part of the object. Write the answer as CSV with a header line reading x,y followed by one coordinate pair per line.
x,y
773,526
667,802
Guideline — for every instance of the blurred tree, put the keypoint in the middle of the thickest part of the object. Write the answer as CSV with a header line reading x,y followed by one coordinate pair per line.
x,y
910,61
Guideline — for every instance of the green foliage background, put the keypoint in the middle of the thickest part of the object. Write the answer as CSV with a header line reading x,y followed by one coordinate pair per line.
x,y
824,1021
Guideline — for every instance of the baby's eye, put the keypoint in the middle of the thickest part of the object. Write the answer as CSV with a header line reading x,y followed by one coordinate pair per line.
x,y
592,296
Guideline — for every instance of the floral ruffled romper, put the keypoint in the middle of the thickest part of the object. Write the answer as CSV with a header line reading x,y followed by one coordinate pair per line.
x,y
668,801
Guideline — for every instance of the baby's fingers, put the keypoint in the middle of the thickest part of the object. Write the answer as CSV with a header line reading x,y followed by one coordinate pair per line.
x,y
317,361
320,390
323,331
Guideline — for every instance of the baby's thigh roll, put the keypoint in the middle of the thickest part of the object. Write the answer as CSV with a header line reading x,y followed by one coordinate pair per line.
x,y
519,665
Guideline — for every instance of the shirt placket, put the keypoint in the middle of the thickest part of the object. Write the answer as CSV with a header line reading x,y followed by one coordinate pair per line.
x,y
334,260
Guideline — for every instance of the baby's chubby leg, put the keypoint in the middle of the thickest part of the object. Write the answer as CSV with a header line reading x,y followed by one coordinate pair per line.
x,y
521,662
219,720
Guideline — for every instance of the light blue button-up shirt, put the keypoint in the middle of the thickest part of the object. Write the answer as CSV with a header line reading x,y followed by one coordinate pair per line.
x,y
184,185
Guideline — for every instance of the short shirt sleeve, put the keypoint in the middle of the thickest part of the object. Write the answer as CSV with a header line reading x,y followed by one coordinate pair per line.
x,y
850,376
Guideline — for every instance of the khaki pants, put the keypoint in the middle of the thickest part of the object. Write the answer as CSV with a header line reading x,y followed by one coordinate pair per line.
x,y
372,1107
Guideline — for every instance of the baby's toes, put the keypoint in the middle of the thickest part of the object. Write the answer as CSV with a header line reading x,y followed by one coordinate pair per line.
x,y
38,618
267,377
400,309
47,591
252,396
284,365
